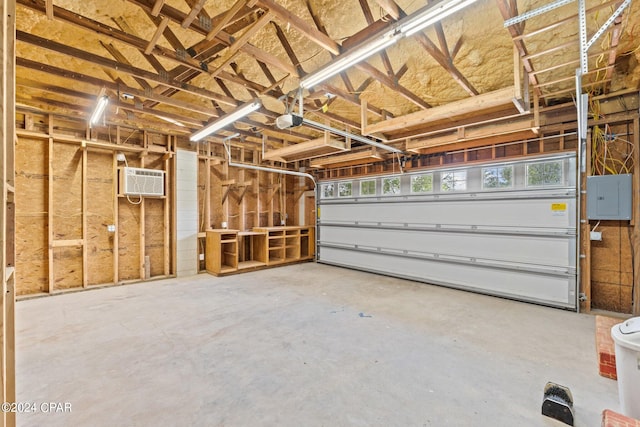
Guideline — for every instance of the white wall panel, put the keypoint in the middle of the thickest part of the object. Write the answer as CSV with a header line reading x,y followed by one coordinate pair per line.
x,y
186,213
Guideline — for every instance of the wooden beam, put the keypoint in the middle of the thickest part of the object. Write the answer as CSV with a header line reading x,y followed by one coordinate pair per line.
x,y
67,243
49,9
306,150
157,7
67,16
59,72
118,56
288,49
509,11
464,107
244,38
391,7
124,26
85,213
368,155
51,277
237,6
385,80
301,26
156,36
522,127
446,63
195,10
127,69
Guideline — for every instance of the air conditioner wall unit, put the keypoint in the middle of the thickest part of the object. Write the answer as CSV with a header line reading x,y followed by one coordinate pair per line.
x,y
141,182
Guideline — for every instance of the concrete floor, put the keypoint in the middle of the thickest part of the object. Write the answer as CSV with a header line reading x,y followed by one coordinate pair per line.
x,y
304,345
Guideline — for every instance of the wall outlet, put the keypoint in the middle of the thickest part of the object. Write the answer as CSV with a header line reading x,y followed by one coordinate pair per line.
x,y
111,228
201,257
596,235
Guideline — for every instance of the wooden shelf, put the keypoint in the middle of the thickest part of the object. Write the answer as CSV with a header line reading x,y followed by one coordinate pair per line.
x,y
231,251
250,264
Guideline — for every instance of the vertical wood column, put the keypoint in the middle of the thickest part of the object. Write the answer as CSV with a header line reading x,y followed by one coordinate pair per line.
x,y
50,286
168,199
7,208
143,230
585,228
116,239
85,269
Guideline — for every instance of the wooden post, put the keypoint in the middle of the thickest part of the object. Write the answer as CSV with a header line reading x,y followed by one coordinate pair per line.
x,y
585,229
174,207
142,221
50,208
7,209
116,205
85,269
168,196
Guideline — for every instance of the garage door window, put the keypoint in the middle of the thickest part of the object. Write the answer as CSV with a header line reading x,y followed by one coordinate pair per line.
x,y
344,189
422,183
453,181
497,177
391,185
544,174
368,188
327,191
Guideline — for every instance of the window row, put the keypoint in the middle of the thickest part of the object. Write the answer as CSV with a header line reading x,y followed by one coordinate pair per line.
x,y
540,174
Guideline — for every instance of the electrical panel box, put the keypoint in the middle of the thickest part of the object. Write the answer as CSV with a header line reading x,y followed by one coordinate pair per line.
x,y
609,197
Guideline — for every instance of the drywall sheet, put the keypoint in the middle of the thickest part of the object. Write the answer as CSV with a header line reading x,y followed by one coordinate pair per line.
x,y
187,212
506,229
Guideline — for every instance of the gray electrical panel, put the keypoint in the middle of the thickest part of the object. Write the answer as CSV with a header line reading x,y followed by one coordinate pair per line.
x,y
609,197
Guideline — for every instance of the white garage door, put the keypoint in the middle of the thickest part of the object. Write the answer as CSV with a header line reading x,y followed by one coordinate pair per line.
x,y
506,229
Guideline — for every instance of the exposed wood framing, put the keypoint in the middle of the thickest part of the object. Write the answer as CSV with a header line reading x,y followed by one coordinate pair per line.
x,y
157,7
195,10
156,36
7,211
482,104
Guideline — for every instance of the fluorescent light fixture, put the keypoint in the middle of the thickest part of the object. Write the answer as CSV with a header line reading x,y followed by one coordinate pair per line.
x,y
100,107
172,121
236,114
350,58
406,27
429,15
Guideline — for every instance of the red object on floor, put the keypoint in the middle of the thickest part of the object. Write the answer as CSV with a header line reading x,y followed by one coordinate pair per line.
x,y
614,419
605,346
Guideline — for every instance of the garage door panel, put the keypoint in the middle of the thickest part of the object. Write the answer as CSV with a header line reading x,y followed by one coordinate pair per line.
x,y
552,251
519,243
554,290
507,213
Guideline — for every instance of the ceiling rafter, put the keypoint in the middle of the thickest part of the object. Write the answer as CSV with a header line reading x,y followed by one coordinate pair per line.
x,y
195,10
156,36
150,95
444,59
124,26
114,33
115,65
368,16
509,10
299,24
118,56
226,19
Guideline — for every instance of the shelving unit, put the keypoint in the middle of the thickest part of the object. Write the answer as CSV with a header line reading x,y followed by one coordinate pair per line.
x,y
224,259
288,244
248,257
232,251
